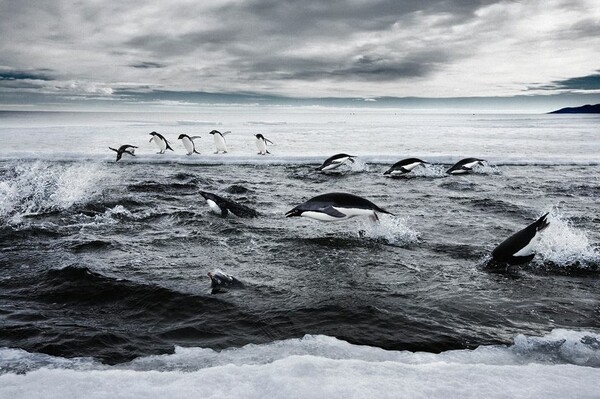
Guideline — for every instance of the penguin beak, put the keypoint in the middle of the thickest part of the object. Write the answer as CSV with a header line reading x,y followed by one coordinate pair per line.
x,y
292,213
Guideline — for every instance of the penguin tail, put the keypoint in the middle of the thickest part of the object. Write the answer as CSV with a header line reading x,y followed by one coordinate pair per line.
x,y
196,152
381,210
542,222
267,151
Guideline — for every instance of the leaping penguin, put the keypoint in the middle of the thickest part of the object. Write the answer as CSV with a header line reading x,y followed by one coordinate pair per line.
x,y
335,161
124,149
520,247
465,166
261,144
188,143
220,280
404,166
336,206
220,143
223,206
161,142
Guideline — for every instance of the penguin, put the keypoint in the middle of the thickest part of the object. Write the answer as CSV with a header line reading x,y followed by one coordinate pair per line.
x,y
336,206
124,149
220,280
519,248
335,161
220,143
261,144
465,166
188,143
161,142
404,166
223,206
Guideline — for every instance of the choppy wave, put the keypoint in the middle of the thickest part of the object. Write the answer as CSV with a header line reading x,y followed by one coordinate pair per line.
x,y
40,187
563,247
563,363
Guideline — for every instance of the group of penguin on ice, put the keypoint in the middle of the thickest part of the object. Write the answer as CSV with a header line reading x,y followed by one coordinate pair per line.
x,y
517,249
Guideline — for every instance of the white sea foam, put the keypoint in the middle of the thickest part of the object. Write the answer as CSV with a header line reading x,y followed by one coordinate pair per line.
x,y
393,229
562,244
563,363
41,187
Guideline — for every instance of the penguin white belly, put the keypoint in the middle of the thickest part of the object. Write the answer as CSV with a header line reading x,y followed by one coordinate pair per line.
x,y
220,143
161,144
459,172
261,145
529,249
213,206
336,163
470,165
411,166
189,146
351,212
322,216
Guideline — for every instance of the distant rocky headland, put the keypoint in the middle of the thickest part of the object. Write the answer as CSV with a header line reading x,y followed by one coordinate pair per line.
x,y
585,109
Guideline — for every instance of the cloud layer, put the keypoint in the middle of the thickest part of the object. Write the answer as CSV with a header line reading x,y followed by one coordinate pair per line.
x,y
350,48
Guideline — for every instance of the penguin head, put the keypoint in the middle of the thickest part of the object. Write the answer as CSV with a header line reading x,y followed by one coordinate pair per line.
x,y
181,136
215,132
259,136
153,134
294,212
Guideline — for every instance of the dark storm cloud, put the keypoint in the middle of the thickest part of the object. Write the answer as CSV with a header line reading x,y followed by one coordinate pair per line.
x,y
590,82
318,17
147,65
23,75
368,68
290,48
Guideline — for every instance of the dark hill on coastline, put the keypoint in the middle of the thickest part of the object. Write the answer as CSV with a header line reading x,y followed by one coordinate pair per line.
x,y
585,109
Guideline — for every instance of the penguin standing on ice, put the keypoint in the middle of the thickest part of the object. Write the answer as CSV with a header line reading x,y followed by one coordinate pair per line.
x,y
519,248
188,143
220,143
124,149
404,166
465,166
261,144
160,142
335,162
336,206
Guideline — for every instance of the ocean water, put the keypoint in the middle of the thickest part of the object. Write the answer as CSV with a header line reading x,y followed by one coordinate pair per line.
x,y
104,292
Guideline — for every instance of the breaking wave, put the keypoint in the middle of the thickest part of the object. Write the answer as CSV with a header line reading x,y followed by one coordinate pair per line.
x,y
40,187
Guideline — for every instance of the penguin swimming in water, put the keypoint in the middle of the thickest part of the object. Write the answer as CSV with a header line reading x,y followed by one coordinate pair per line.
x,y
220,143
261,144
188,143
220,280
223,206
465,166
161,142
404,166
335,161
520,247
124,149
336,206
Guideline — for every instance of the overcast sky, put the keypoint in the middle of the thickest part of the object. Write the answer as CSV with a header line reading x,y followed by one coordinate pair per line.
x,y
128,50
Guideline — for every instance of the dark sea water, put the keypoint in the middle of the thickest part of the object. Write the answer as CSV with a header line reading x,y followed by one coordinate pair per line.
x,y
109,260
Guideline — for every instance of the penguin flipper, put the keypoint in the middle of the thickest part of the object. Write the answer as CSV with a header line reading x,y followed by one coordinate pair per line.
x,y
110,148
